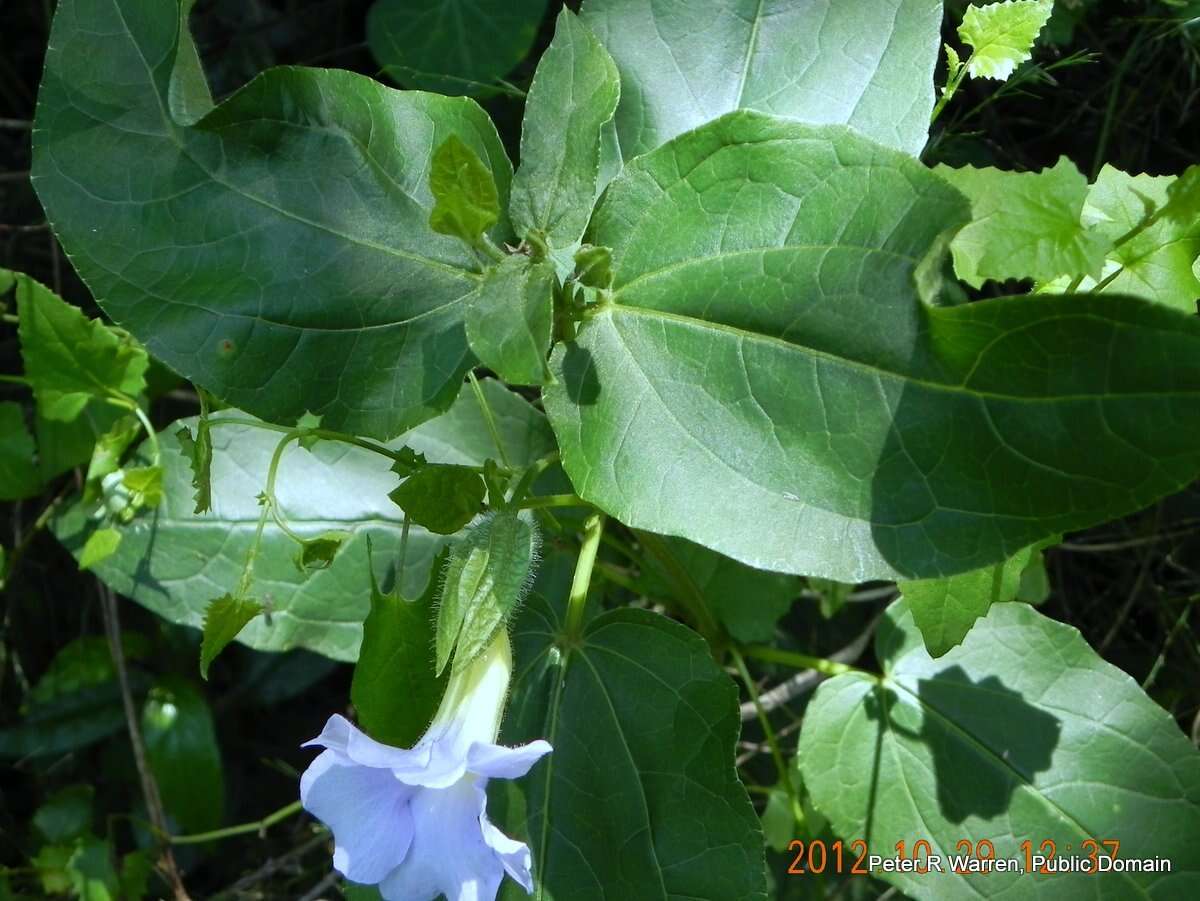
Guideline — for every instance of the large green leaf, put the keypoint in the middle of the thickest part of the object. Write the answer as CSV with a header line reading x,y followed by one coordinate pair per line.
x,y
767,381
452,46
1022,733
640,798
573,96
865,63
275,249
175,562
181,748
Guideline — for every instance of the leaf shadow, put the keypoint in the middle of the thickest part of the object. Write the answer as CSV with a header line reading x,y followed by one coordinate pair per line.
x,y
985,740
579,375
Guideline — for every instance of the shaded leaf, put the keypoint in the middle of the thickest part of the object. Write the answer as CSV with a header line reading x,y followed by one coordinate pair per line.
x,y
318,553
66,814
109,449
1021,733
19,476
510,319
441,498
224,618
181,748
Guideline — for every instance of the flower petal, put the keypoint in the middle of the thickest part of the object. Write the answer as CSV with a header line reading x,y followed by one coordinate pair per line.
x,y
514,855
499,762
367,810
356,746
448,854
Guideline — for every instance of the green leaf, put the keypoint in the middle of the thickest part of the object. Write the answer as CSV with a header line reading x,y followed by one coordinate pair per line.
x,y
466,203
64,445
511,317
109,449
224,619
1002,35
318,553
452,46
946,609
487,575
145,483
407,462
70,359
747,602
683,64
198,452
1155,261
395,689
67,814
574,94
283,258
643,725
1021,733
1024,225
768,382
91,872
181,748
441,498
19,477
100,545
593,266
175,562
308,423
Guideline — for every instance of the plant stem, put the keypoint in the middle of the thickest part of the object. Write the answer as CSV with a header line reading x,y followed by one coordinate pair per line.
x,y
15,380
765,722
582,580
552,500
489,419
268,502
798,660
258,826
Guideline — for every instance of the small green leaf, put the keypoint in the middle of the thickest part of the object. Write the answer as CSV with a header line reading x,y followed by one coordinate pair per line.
x,y
91,871
946,609
466,202
51,864
441,498
407,461
395,689
486,578
574,94
106,456
67,814
199,452
593,266
223,620
308,422
19,477
1024,225
69,358
181,748
1002,35
101,544
145,483
510,318
778,821
452,46
318,553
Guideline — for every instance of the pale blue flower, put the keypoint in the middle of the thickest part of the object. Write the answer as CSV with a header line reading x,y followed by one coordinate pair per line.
x,y
414,821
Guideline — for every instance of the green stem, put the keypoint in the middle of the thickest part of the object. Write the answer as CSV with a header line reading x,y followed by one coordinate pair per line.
x,y
552,500
798,660
241,829
268,501
1107,280
489,419
15,380
582,580
952,85
531,474
10,318
772,740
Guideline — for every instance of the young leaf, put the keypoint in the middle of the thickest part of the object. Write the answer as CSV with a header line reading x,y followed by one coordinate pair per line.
x,y
395,689
1024,225
19,477
593,266
1022,731
67,814
1001,35
684,64
101,545
466,202
767,368
945,609
452,46
487,576
574,93
198,452
110,448
1161,233
308,422
510,319
170,559
441,498
69,359
181,748
291,277
643,724
318,553
223,620
407,462
145,483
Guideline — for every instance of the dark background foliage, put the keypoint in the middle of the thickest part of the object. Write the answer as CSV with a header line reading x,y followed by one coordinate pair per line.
x,y
1115,81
